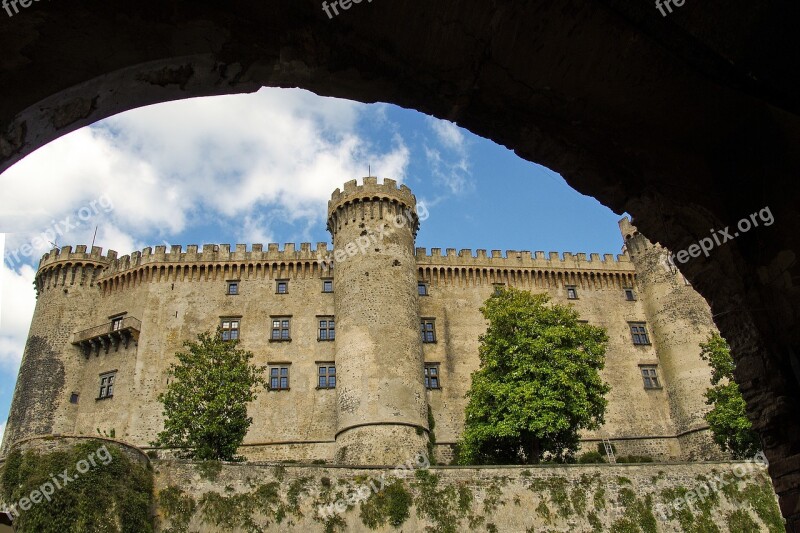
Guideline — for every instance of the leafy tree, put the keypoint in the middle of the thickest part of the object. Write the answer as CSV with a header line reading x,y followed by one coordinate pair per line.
x,y
205,405
732,429
538,383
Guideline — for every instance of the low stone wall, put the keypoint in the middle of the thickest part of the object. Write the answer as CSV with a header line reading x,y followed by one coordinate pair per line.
x,y
211,497
51,443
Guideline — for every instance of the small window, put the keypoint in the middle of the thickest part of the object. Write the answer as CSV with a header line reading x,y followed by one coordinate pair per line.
x,y
630,295
327,285
432,376
422,288
572,292
116,323
326,376
327,329
282,287
107,385
230,329
233,287
73,398
280,329
639,333
279,378
428,330
650,377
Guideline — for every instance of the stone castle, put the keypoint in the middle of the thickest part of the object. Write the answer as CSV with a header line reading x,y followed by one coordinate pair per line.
x,y
358,355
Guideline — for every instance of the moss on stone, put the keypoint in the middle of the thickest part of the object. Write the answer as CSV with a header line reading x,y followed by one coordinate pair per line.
x,y
599,498
594,521
624,525
390,505
761,497
177,507
209,470
741,522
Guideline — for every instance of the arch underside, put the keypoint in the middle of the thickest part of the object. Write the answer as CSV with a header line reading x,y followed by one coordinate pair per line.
x,y
688,122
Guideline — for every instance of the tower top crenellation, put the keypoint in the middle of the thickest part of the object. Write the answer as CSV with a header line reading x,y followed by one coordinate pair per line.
x,y
370,189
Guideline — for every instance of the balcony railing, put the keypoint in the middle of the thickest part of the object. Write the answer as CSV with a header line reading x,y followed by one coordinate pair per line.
x,y
105,336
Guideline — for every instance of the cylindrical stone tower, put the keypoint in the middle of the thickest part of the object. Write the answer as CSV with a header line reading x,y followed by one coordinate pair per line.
x,y
679,319
381,402
66,296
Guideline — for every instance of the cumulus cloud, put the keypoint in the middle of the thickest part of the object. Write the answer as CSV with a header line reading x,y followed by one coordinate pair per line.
x,y
17,301
171,166
449,158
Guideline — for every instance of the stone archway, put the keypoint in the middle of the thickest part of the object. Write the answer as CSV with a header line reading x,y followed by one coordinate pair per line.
x,y
688,121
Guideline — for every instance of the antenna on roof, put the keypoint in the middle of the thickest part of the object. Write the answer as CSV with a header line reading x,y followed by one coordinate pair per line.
x,y
369,171
93,238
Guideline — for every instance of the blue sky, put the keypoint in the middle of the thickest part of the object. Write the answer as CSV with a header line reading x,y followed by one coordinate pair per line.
x,y
260,168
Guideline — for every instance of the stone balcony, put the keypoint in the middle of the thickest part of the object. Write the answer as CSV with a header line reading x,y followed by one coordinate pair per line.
x,y
112,334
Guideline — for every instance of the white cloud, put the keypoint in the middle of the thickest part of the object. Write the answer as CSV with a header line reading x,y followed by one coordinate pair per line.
x,y
449,161
17,302
171,166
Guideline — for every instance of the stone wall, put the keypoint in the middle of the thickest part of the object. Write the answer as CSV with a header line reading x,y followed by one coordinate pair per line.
x,y
290,498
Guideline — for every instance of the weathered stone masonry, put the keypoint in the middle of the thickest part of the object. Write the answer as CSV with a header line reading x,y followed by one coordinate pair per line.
x,y
377,412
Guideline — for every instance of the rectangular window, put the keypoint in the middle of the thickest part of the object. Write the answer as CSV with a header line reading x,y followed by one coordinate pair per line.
x,y
326,376
428,330
279,378
572,292
639,333
230,329
327,285
233,287
116,323
327,329
107,385
650,377
422,288
630,295
280,329
74,396
432,376
282,287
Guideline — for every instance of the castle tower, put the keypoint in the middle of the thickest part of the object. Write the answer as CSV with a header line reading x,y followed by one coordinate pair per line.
x,y
66,295
678,319
381,402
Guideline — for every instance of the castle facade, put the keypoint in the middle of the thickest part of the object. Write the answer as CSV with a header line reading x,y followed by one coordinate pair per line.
x,y
359,342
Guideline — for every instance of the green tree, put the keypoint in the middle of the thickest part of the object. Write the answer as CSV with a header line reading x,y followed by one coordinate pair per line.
x,y
538,383
728,420
205,405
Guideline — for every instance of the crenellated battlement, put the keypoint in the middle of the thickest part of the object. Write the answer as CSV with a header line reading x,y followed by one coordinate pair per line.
x,y
65,255
371,189
219,253
523,259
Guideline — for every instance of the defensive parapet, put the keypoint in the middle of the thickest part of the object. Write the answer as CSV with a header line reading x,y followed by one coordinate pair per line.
x,y
381,401
524,269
